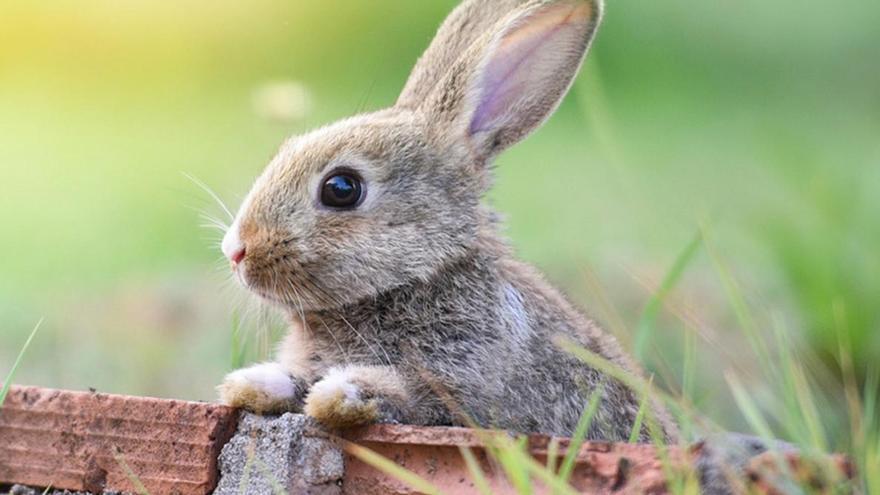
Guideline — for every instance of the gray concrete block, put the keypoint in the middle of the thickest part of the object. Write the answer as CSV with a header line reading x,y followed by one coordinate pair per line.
x,y
280,454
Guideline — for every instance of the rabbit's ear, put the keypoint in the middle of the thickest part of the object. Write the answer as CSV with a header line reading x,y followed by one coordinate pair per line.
x,y
513,77
470,20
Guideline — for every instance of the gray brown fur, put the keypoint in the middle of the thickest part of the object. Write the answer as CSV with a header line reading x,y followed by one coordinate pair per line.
x,y
467,23
411,308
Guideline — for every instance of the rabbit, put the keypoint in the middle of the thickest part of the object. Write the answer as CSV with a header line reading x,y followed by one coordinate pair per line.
x,y
404,302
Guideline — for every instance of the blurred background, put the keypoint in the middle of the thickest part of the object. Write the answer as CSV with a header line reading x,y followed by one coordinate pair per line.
x,y
715,174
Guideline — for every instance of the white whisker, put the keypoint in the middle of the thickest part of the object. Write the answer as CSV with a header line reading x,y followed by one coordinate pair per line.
x,y
211,193
387,358
345,355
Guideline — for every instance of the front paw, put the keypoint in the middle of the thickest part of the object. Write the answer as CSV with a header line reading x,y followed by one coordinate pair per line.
x,y
338,401
262,388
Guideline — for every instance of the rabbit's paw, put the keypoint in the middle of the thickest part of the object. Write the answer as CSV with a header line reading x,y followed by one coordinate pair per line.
x,y
356,396
338,402
262,388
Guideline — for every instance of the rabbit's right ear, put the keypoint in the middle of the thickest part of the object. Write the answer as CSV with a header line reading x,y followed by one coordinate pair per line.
x,y
513,76
470,20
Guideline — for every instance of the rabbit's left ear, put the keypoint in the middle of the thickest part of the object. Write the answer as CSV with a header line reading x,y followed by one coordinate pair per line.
x,y
513,78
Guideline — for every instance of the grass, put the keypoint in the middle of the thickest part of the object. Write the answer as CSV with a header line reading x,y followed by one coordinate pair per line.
x,y
643,409
7,382
580,433
648,322
476,472
133,478
390,467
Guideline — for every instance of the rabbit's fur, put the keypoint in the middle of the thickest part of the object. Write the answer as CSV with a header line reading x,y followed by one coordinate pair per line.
x,y
411,308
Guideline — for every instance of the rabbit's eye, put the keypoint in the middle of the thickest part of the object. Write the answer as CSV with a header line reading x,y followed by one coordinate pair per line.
x,y
342,190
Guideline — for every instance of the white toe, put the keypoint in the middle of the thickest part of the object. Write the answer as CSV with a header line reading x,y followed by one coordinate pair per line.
x,y
333,384
269,378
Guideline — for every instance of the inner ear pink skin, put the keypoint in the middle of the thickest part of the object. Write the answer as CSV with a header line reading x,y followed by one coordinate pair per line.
x,y
521,60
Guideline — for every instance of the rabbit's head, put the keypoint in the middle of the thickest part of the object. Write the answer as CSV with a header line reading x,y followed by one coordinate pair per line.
x,y
382,199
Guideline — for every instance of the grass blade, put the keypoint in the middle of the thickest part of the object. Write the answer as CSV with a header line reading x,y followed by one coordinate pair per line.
x,y
614,371
390,468
637,424
129,473
552,454
264,470
688,373
870,420
580,433
512,456
738,303
239,344
8,381
648,322
748,407
517,455
248,464
476,471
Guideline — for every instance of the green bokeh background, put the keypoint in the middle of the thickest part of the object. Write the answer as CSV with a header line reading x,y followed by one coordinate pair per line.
x,y
756,119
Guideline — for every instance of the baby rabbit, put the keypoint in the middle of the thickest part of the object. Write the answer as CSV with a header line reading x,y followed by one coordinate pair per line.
x,y
405,304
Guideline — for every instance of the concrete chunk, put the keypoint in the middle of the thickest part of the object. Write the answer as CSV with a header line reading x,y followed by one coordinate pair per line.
x,y
280,454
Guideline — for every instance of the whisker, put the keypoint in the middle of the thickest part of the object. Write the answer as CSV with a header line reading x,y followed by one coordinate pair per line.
x,y
210,193
345,355
321,290
364,340
213,222
212,226
299,306
329,299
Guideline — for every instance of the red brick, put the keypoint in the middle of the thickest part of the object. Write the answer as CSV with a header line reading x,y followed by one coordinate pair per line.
x,y
80,441
600,468
433,454
75,440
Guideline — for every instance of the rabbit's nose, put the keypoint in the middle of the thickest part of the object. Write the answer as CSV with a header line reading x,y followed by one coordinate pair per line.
x,y
237,256
233,247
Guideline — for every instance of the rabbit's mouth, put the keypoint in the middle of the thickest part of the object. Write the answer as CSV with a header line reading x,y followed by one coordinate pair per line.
x,y
275,296
281,286
271,298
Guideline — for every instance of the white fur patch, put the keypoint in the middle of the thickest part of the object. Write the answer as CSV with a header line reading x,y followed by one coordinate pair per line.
x,y
269,378
515,314
337,382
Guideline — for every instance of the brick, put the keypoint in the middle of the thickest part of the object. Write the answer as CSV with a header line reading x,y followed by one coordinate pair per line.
x,y
81,441
433,454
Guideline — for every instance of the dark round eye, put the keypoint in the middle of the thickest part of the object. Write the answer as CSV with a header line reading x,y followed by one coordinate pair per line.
x,y
342,190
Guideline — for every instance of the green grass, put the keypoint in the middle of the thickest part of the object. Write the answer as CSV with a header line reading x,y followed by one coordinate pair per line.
x,y
7,382
648,321
579,434
133,478
390,467
643,409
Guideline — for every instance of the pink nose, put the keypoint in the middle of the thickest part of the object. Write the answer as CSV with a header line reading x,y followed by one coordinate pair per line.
x,y
236,256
